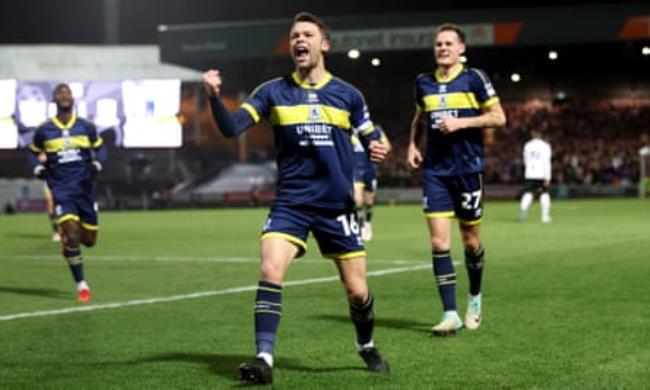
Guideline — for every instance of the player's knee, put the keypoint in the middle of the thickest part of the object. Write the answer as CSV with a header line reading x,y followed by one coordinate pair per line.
x,y
440,243
357,292
71,238
272,272
472,244
357,296
88,237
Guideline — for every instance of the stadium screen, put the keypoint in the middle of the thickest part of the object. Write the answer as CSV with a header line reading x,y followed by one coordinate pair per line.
x,y
8,128
130,113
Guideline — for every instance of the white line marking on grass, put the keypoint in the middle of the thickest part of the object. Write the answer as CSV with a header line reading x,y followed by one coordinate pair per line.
x,y
180,297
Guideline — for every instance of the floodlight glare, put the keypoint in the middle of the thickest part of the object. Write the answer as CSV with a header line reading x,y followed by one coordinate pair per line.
x,y
354,54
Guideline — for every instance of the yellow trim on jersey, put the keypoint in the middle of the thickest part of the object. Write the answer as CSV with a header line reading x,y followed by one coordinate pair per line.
x,y
452,75
67,217
440,214
287,237
67,125
471,223
251,111
58,144
302,114
98,143
35,148
359,184
453,100
370,129
88,226
345,255
490,101
305,84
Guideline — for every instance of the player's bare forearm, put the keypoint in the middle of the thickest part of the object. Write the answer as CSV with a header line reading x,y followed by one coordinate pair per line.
x,y
417,130
492,116
414,156
489,119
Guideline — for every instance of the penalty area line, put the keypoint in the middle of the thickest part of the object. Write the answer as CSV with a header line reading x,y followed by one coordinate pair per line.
x,y
181,297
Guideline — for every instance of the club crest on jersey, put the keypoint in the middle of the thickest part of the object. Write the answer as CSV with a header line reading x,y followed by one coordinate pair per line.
x,y
442,88
443,101
314,115
67,141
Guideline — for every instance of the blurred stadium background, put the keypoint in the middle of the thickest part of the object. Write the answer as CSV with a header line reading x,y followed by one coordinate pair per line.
x,y
577,71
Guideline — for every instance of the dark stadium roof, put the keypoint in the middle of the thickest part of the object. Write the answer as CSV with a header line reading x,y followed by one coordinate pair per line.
x,y
85,22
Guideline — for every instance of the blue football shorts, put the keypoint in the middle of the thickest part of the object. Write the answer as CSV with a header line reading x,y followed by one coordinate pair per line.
x,y
82,209
336,232
453,196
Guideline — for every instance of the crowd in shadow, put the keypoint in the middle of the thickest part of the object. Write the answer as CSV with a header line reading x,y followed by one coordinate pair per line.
x,y
593,142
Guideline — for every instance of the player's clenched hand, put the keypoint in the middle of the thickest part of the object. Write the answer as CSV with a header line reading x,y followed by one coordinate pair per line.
x,y
414,157
449,124
212,82
40,171
378,150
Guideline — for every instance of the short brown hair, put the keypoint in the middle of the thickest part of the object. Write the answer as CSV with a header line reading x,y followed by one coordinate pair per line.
x,y
305,16
451,27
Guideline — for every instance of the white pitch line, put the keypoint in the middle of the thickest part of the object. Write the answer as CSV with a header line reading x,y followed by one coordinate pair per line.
x,y
197,259
173,298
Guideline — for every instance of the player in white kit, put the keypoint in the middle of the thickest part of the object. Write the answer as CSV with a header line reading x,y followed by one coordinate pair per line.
x,y
537,160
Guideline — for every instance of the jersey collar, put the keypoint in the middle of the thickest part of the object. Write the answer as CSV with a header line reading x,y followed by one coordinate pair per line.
x,y
450,76
303,84
64,126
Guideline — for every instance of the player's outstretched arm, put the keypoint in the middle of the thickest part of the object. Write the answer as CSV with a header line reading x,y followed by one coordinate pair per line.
x,y
229,124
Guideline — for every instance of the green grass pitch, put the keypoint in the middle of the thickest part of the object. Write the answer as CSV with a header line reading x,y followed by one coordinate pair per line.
x,y
566,305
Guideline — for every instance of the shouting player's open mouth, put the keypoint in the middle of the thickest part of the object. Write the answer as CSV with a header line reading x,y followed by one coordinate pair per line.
x,y
301,54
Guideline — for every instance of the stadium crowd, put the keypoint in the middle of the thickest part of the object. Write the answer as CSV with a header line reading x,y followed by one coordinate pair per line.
x,y
594,142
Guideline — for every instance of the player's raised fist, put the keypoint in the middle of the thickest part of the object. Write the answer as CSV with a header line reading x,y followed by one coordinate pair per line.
x,y
212,82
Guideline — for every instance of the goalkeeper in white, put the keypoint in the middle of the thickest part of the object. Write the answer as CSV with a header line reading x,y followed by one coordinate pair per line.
x,y
537,162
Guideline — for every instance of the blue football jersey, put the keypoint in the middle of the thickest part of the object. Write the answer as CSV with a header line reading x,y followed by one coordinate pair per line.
x,y
313,125
464,93
69,148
